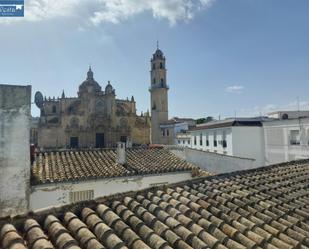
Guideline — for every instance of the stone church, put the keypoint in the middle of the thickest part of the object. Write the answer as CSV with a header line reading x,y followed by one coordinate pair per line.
x,y
95,118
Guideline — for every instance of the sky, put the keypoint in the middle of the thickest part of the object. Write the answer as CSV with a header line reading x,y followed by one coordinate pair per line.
x,y
224,57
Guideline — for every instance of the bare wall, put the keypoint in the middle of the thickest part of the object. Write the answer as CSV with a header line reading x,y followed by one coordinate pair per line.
x,y
14,148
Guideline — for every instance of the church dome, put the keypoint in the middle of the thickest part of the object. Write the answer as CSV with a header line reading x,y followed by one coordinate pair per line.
x,y
109,88
89,85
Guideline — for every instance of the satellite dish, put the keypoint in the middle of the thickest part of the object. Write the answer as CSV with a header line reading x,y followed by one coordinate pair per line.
x,y
38,99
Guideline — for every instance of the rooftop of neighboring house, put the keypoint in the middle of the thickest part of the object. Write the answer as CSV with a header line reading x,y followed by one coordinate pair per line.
x,y
255,121
285,115
176,120
76,165
260,208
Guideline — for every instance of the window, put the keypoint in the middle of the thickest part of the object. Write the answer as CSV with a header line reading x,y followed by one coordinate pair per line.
x,y
54,109
154,81
215,139
161,65
81,195
163,132
294,137
224,143
207,140
167,132
201,139
74,142
189,141
194,140
123,139
162,80
178,141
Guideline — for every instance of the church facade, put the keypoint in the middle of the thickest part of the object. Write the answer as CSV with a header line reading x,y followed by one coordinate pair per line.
x,y
93,119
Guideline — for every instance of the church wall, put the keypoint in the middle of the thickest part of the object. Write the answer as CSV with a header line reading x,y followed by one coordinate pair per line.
x,y
93,111
141,136
52,137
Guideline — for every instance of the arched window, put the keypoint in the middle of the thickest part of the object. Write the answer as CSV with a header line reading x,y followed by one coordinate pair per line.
x,y
285,116
54,109
99,106
161,65
162,81
154,81
123,122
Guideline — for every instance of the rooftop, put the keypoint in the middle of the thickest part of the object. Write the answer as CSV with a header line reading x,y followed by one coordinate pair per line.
x,y
71,165
261,208
230,122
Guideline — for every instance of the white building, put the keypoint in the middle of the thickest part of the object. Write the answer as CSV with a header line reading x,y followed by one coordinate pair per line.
x,y
286,140
240,137
288,114
171,128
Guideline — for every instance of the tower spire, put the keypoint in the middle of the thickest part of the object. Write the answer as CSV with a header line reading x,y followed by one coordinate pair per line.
x,y
157,44
89,74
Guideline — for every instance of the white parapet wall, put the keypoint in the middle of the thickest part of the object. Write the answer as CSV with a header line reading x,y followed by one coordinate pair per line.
x,y
213,162
47,195
14,149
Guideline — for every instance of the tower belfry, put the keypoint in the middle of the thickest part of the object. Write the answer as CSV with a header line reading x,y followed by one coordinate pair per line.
x,y
158,94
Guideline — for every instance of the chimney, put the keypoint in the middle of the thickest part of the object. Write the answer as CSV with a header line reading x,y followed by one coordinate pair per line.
x,y
121,153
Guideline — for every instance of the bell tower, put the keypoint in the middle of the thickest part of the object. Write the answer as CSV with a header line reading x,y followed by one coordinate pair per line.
x,y
158,95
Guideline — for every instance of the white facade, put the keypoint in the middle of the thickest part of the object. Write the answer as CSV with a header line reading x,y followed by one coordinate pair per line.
x,y
286,140
183,139
239,141
170,131
47,195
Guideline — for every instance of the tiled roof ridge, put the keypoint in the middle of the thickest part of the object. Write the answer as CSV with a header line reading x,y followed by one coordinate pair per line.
x,y
96,149
77,207
77,165
258,208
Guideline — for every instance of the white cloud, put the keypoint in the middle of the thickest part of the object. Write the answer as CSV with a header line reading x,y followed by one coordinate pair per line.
x,y
111,11
234,89
263,110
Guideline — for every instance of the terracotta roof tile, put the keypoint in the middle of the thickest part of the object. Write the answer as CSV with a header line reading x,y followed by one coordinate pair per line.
x,y
70,165
262,208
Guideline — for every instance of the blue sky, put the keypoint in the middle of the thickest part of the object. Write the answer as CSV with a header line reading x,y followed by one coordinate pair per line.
x,y
223,56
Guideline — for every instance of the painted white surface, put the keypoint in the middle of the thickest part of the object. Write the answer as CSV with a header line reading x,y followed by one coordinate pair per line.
x,y
58,193
277,136
249,142
214,162
241,141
